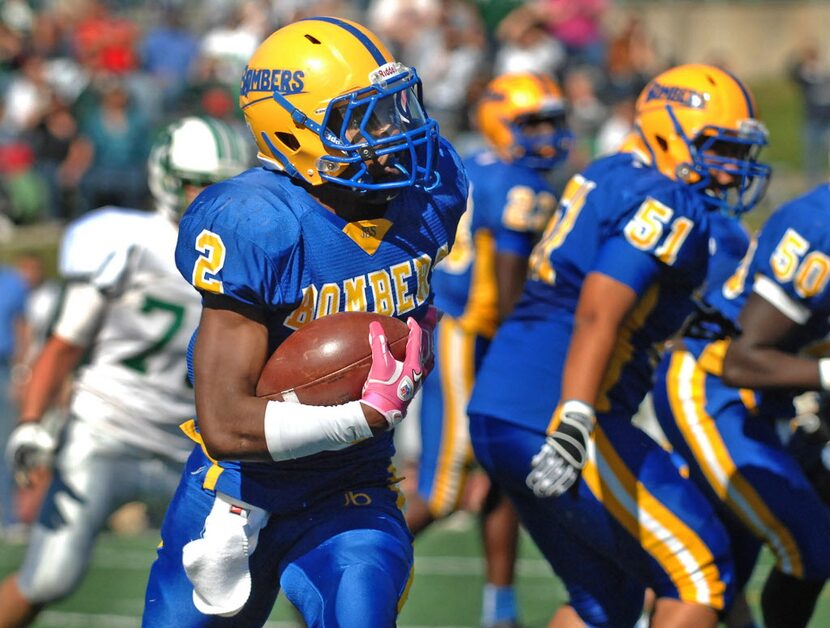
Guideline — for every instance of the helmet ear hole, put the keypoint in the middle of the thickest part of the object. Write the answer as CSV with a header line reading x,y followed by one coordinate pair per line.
x,y
288,140
664,145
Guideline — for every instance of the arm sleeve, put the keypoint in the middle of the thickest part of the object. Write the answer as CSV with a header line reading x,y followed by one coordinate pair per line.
x,y
80,314
791,267
621,261
98,249
217,249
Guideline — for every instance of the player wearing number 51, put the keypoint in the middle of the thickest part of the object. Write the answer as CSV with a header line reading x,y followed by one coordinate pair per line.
x,y
128,310
610,281
356,199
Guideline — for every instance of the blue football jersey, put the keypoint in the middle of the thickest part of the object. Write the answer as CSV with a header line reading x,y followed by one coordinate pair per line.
x,y
628,222
508,208
729,245
264,241
788,264
790,267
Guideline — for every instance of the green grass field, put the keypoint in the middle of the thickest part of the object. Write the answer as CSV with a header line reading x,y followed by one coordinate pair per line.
x,y
446,590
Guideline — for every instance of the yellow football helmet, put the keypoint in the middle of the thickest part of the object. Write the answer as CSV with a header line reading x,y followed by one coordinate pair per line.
x,y
511,109
325,101
697,120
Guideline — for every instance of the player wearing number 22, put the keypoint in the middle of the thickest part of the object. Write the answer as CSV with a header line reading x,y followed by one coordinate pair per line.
x,y
356,200
610,281
522,118
127,309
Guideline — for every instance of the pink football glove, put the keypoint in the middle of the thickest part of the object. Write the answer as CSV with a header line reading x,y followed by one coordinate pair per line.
x,y
391,384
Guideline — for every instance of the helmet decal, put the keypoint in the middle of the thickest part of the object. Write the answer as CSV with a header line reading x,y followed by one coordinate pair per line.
x,y
680,95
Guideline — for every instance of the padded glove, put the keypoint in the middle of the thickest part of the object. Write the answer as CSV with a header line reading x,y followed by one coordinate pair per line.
x,y
560,460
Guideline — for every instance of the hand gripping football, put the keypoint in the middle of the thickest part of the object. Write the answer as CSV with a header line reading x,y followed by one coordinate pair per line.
x,y
327,361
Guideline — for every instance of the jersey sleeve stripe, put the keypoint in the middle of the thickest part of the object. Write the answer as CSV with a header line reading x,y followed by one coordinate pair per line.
x,y
772,292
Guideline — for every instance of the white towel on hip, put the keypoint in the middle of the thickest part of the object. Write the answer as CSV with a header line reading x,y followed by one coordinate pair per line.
x,y
217,564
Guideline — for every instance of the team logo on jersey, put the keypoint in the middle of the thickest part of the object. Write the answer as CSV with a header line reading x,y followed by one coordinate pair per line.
x,y
682,95
285,82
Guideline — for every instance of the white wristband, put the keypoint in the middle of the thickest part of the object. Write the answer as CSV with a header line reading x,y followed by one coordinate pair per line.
x,y
580,407
294,430
824,373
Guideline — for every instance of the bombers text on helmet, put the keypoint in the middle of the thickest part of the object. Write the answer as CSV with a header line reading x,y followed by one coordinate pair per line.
x,y
198,150
698,119
322,96
513,100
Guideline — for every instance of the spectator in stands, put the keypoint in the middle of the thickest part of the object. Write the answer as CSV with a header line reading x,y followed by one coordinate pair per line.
x,y
169,52
812,76
26,96
233,42
526,46
630,63
587,111
401,23
119,138
578,25
105,43
23,197
62,156
449,54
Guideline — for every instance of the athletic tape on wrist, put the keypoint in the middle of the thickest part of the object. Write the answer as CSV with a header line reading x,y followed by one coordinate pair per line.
x,y
824,373
294,430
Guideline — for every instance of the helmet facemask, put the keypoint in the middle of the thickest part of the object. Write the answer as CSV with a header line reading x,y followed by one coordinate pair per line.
x,y
541,148
734,152
378,138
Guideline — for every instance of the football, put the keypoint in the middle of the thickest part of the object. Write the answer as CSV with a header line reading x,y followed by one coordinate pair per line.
x,y
327,361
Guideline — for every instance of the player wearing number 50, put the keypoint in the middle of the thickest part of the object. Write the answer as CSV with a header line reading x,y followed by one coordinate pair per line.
x,y
773,307
610,281
129,311
356,200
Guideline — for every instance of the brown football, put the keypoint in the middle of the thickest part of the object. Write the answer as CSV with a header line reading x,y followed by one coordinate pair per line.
x,y
327,361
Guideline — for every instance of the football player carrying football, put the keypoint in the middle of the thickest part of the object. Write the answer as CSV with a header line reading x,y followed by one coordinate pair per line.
x,y
127,309
356,200
522,118
728,434
611,279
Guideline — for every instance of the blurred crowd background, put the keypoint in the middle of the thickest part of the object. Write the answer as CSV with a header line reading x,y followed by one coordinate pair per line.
x,y
84,84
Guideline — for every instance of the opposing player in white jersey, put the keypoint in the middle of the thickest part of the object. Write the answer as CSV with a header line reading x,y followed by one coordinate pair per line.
x,y
130,313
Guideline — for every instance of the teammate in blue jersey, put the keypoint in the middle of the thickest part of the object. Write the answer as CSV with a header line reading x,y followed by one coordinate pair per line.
x,y
356,200
610,281
522,118
728,434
